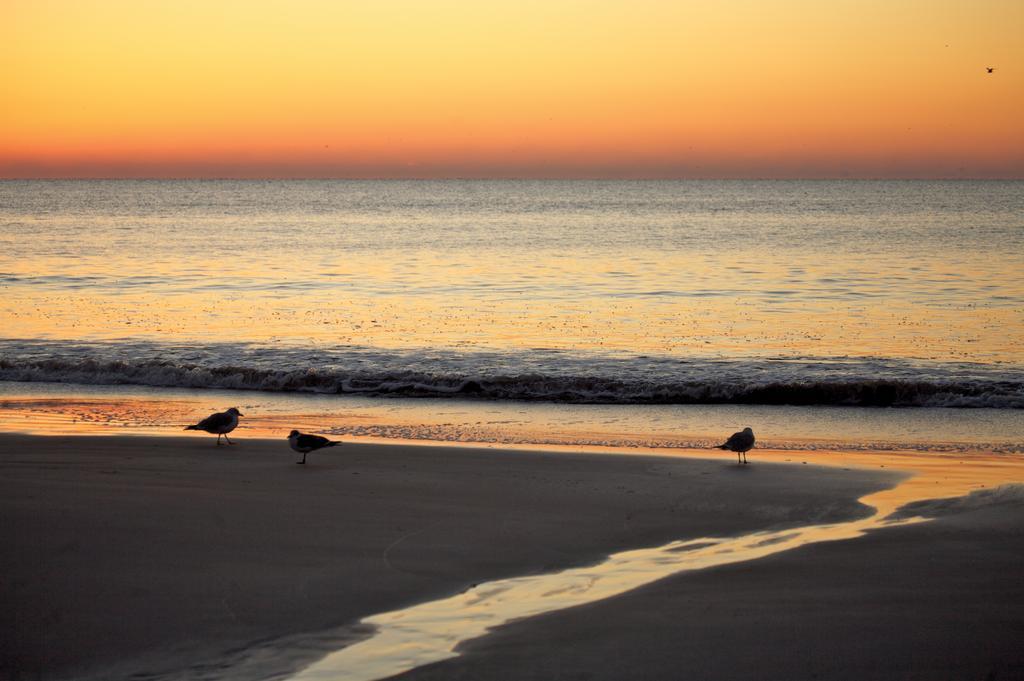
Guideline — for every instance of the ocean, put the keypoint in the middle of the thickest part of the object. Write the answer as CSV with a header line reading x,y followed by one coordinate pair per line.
x,y
623,313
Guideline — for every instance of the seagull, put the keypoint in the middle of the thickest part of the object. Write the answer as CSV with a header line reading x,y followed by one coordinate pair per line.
x,y
990,69
740,443
220,423
304,444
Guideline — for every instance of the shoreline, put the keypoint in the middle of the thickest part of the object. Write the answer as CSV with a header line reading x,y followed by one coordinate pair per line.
x,y
235,549
56,409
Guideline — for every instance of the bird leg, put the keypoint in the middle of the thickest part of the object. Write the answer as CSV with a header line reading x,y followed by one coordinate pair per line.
x,y
303,458
226,438
218,439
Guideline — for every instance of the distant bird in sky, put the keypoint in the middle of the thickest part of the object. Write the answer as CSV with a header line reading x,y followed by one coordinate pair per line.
x,y
741,443
220,423
304,444
990,69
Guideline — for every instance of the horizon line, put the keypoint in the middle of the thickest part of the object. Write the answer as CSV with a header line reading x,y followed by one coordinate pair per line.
x,y
458,178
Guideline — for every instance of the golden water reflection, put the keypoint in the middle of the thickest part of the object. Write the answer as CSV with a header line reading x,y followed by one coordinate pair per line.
x,y
680,304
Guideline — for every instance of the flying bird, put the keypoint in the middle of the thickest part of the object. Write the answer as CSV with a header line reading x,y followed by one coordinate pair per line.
x,y
990,69
304,444
741,443
220,423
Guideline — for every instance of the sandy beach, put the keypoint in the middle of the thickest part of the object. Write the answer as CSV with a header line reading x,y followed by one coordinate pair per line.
x,y
938,600
151,554
169,557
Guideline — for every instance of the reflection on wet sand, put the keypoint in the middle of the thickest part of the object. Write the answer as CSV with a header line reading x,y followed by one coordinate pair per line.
x,y
430,632
51,409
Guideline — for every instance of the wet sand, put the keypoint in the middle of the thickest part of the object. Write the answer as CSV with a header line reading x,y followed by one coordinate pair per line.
x,y
936,600
174,558
151,555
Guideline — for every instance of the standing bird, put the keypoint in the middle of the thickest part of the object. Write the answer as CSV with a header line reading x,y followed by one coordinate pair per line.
x,y
741,443
220,423
304,444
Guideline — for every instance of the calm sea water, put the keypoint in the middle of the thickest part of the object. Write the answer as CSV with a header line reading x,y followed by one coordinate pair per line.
x,y
806,293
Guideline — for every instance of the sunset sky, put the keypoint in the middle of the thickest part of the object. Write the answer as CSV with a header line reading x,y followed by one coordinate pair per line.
x,y
554,88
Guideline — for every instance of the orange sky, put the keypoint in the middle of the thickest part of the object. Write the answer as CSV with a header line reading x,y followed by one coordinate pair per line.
x,y
555,88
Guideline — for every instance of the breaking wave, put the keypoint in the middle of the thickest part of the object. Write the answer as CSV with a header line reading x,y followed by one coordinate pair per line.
x,y
538,375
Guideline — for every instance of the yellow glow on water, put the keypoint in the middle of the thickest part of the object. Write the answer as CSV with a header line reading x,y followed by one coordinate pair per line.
x,y
732,319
